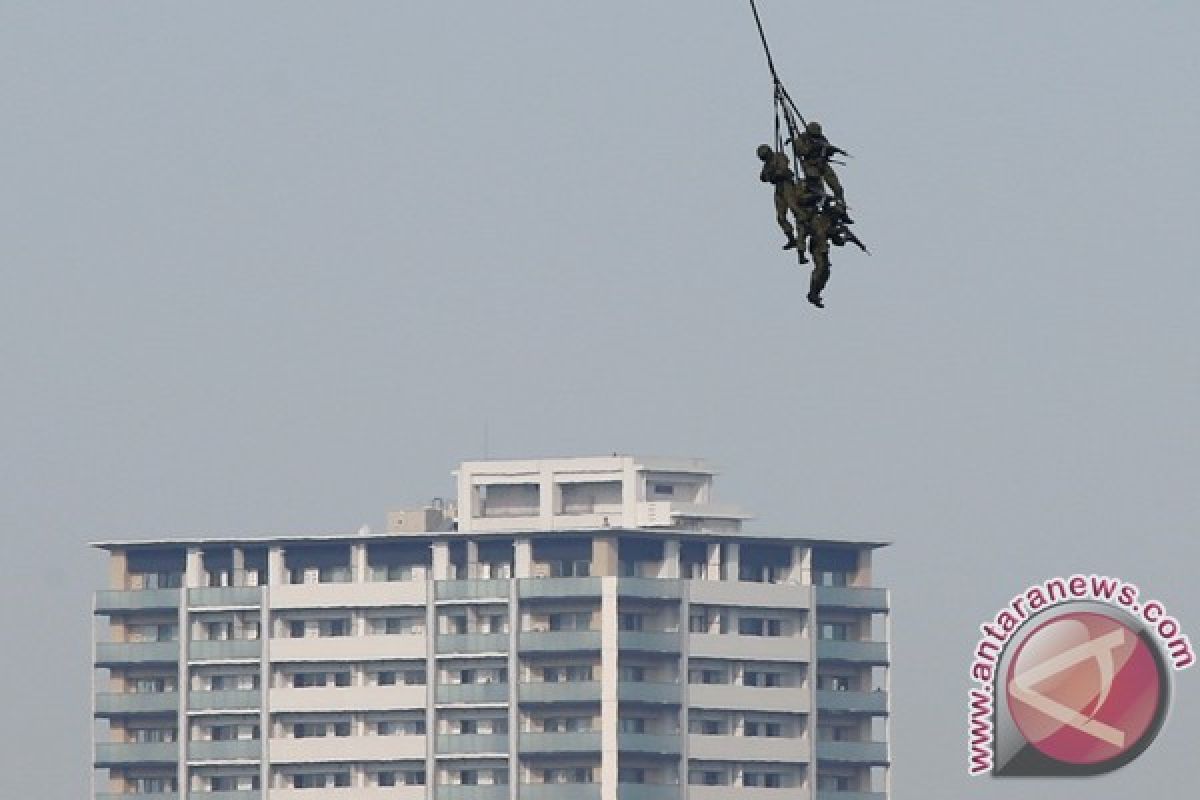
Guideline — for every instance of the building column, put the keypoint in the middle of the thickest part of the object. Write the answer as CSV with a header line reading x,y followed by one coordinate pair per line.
x,y
862,575
801,571
441,561
238,578
358,562
732,550
194,570
609,708
670,562
472,559
118,572
713,572
523,557
276,567
604,555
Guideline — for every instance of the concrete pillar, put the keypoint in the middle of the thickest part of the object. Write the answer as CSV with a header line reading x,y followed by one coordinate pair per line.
x,y
358,562
523,557
731,560
713,572
801,571
118,572
472,559
546,498
609,649
276,567
670,562
604,555
862,576
238,577
194,569
441,561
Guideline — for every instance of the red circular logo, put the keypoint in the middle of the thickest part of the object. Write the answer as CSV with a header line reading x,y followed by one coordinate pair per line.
x,y
1084,688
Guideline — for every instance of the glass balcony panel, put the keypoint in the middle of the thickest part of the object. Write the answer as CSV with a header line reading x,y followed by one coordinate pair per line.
x,y
856,652
109,600
493,589
560,692
121,653
465,743
554,641
856,752
853,702
472,643
472,693
225,700
226,596
226,650
110,753
108,703
229,750
559,742
649,692
859,598
528,588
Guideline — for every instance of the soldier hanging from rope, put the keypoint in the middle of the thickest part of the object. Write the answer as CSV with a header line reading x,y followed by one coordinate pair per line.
x,y
790,196
830,225
815,153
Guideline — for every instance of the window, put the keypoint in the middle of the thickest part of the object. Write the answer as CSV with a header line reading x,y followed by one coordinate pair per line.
x,y
767,780
632,725
566,674
755,678
414,677
837,631
755,728
632,622
580,568
334,627
149,686
830,578
632,674
834,783
296,629
631,775
834,683
707,777
500,777
400,727
385,677
698,623
494,623
218,631
386,779
571,621
341,728
664,489
341,679
710,676
468,777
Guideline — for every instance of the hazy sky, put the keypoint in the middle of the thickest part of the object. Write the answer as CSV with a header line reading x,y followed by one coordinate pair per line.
x,y
274,267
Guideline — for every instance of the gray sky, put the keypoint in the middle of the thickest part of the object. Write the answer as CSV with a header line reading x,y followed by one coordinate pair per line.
x,y
272,268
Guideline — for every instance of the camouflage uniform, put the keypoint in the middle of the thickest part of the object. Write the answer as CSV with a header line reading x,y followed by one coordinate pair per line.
x,y
789,196
815,151
824,223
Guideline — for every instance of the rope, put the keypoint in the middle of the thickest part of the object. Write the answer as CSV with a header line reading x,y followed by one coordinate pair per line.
x,y
783,101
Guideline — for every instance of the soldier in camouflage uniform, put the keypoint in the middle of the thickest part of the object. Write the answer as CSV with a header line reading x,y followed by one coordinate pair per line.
x,y
789,196
815,151
825,222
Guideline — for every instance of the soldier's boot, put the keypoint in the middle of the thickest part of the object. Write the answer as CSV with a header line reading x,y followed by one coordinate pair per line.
x,y
815,299
791,243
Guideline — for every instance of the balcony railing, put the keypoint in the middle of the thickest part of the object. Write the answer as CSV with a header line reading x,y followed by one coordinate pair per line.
x,y
835,794
472,642
560,692
228,750
226,597
110,600
648,791
648,743
225,650
559,742
137,796
557,641
121,653
225,700
650,641
853,702
861,599
472,693
227,794
109,703
472,743
480,589
112,753
558,587
478,791
649,692
654,588
856,752
863,652
559,791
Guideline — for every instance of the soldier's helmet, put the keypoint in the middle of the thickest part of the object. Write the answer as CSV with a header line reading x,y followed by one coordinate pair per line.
x,y
764,151
813,127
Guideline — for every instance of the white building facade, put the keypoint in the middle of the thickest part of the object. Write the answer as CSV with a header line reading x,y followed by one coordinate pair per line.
x,y
567,629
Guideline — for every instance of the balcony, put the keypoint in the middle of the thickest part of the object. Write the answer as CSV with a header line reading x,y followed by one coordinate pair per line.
x,y
228,750
834,794
118,753
650,588
751,594
472,643
660,744
350,648
481,589
481,693
479,791
373,594
137,796
745,793
349,698
558,641
559,791
649,791
227,794
749,748
724,696
851,597
116,601
226,597
115,654
874,753
559,742
875,653
347,793
532,588
225,700
852,702
473,744
560,692
335,749
650,641
115,703
762,648
225,650
649,692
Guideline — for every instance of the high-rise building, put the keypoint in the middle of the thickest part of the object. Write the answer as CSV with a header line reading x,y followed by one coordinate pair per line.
x,y
565,629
